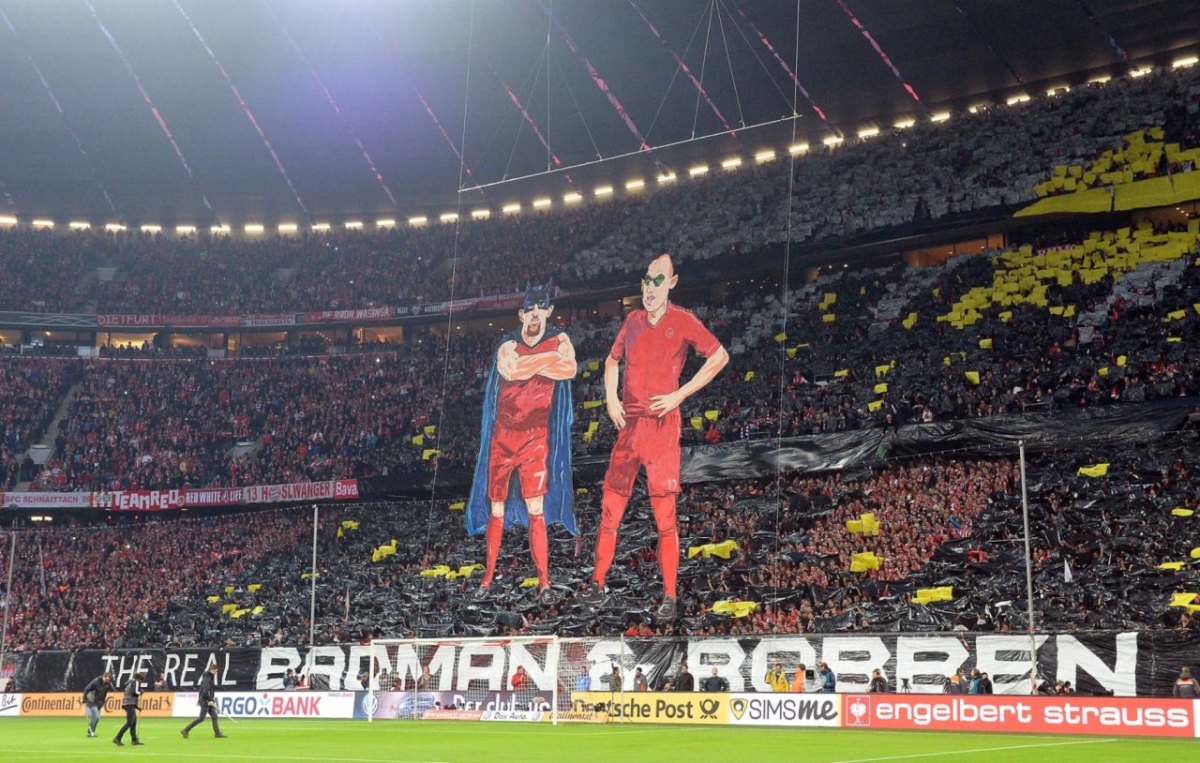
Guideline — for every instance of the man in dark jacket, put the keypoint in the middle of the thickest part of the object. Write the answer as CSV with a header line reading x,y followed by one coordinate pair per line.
x,y
207,699
684,681
94,695
879,684
714,683
133,692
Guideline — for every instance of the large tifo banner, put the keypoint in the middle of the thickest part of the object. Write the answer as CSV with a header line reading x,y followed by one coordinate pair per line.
x,y
1122,664
183,498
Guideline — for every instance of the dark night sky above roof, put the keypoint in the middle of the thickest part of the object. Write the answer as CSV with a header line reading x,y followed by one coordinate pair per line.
x,y
322,77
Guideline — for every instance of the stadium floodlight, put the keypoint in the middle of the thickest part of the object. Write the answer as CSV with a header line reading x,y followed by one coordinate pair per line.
x,y
541,203
511,209
767,155
219,229
482,213
8,220
941,116
1183,63
1141,71
635,184
867,133
353,225
572,198
320,227
1057,89
604,190
1013,101
40,223
698,170
798,148
114,227
79,225
151,228
666,177
184,230
385,222
288,227
732,163
904,124
418,221
1099,80
833,140
254,229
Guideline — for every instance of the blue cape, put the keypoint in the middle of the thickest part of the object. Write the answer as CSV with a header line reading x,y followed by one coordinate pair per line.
x,y
558,505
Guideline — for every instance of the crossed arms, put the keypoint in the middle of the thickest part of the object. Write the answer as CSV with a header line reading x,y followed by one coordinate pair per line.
x,y
558,365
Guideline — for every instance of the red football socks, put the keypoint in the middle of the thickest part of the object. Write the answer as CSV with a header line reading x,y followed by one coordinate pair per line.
x,y
539,548
495,531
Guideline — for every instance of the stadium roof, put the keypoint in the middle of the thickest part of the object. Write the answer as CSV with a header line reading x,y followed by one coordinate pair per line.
x,y
190,111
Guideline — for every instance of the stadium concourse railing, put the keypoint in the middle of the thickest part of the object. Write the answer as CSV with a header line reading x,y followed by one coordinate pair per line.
x,y
597,680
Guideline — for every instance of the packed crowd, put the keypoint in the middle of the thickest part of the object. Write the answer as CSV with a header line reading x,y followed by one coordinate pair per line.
x,y
860,349
107,586
200,423
1123,528
989,159
985,160
942,521
30,392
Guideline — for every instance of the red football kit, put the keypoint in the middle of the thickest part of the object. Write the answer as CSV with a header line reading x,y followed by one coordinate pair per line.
x,y
654,358
520,439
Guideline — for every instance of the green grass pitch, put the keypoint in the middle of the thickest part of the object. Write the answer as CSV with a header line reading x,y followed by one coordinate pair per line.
x,y
61,739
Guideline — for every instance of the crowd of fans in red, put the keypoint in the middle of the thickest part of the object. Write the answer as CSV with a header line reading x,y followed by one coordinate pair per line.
x,y
91,586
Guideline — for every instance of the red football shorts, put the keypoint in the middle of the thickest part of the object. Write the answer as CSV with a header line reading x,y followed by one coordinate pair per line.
x,y
650,442
523,451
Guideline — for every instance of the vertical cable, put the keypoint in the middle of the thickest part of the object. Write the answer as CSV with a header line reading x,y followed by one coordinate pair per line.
x,y
703,65
453,275
785,297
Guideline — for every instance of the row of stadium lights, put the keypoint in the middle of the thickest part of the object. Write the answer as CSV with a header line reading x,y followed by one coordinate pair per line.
x,y
574,197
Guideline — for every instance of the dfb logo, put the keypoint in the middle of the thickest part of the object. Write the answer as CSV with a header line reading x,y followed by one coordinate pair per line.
x,y
370,705
738,708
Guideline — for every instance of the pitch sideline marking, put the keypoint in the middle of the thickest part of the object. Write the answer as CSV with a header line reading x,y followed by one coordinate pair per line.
x,y
915,756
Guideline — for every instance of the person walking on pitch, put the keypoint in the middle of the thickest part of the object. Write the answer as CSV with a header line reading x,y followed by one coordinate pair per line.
x,y
207,699
94,695
133,693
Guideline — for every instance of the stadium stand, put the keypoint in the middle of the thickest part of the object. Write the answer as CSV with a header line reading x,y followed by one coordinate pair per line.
x,y
1071,319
